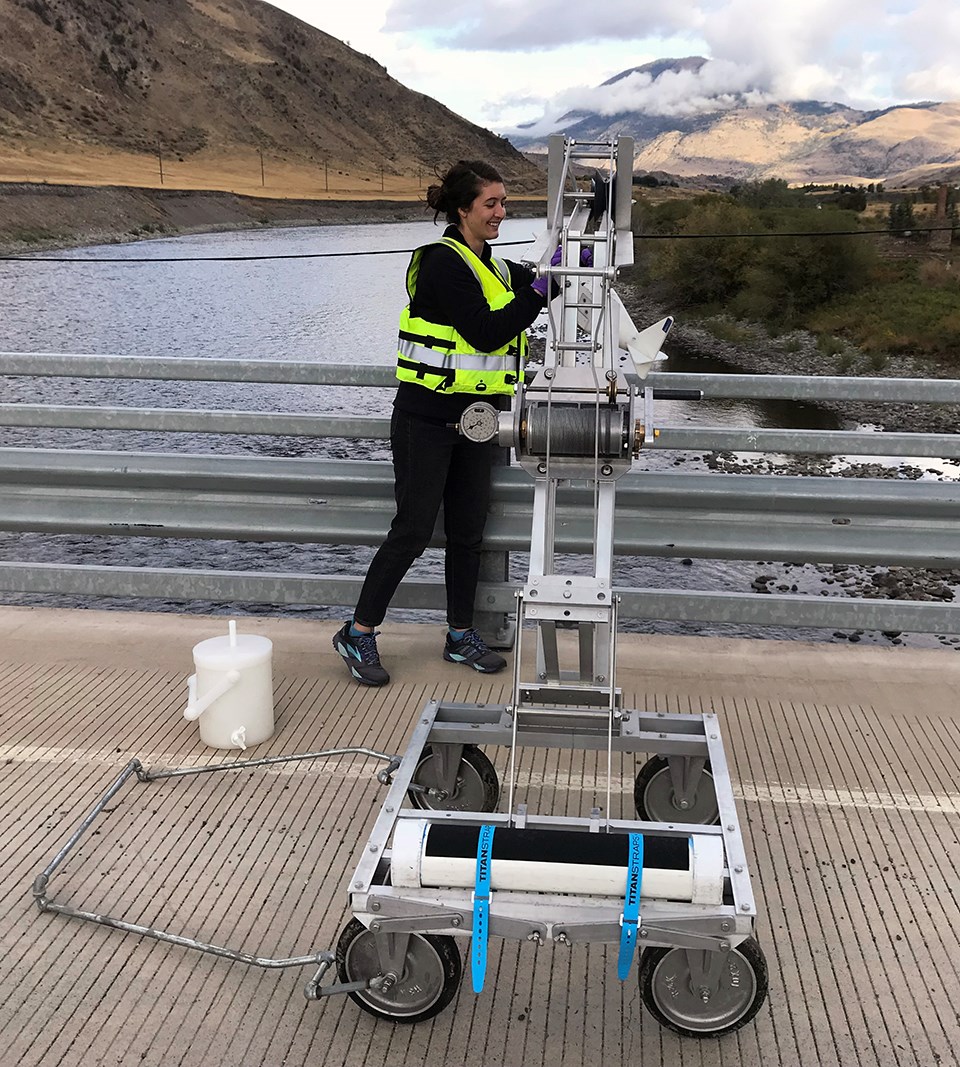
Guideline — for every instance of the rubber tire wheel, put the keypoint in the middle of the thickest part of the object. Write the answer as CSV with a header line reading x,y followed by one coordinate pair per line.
x,y
749,953
655,766
442,951
483,784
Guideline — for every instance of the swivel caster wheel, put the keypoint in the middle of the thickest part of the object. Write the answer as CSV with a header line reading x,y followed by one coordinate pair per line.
x,y
424,982
476,789
655,800
704,994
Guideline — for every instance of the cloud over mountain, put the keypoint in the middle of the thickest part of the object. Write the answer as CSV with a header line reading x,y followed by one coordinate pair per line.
x,y
748,134
867,54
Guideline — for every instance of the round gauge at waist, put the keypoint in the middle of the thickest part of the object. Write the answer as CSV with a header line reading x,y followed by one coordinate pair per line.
x,y
479,422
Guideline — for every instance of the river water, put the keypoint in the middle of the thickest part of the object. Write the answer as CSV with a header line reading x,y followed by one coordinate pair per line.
x,y
331,310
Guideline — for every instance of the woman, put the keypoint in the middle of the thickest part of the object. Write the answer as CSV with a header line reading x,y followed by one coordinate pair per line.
x,y
461,339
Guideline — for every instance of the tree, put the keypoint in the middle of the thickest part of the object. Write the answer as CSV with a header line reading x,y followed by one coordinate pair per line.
x,y
902,218
708,269
773,192
790,276
852,198
773,278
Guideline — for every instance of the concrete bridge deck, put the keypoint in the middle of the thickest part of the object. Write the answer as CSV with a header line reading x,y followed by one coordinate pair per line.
x,y
845,766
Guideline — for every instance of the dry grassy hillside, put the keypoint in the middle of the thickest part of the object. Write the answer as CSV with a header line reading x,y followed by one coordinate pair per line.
x,y
110,91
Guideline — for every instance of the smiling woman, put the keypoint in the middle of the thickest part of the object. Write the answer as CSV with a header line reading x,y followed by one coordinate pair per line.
x,y
462,335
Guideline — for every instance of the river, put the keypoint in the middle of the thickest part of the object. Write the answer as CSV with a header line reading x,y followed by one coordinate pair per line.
x,y
337,310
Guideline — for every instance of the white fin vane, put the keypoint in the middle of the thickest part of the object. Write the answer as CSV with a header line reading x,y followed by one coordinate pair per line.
x,y
642,346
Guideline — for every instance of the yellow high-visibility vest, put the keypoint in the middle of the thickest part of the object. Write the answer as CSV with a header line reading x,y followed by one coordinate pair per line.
x,y
439,358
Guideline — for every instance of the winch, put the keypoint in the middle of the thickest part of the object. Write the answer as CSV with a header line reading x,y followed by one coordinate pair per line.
x,y
445,857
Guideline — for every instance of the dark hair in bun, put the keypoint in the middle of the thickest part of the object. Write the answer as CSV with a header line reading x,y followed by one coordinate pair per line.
x,y
459,187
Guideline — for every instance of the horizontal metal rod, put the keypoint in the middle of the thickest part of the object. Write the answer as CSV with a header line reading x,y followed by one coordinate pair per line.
x,y
179,368
888,534
815,387
792,610
313,960
815,442
656,604
305,372
185,420
638,492
151,775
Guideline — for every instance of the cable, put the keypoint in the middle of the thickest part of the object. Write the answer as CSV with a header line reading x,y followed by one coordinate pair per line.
x,y
501,244
224,259
907,230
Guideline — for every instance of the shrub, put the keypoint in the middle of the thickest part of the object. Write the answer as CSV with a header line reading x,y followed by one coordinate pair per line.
x,y
934,273
705,270
726,330
898,315
846,360
775,279
829,345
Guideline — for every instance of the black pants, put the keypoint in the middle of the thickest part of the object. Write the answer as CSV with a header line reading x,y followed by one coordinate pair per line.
x,y
432,464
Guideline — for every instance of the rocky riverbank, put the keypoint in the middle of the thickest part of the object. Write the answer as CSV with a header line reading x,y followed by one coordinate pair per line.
x,y
39,217
755,352
797,353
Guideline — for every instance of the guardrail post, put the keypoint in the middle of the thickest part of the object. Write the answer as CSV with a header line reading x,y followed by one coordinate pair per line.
x,y
497,628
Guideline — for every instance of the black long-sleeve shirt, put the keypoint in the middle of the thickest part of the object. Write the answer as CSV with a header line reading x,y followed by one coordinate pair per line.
x,y
449,294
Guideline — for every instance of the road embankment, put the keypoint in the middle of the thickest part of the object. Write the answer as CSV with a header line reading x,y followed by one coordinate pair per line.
x,y
37,216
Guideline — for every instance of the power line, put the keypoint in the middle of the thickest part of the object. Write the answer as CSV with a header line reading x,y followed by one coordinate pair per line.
x,y
905,232
223,259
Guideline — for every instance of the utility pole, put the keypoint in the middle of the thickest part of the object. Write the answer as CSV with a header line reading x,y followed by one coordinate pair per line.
x,y
160,160
326,178
263,180
941,234
381,176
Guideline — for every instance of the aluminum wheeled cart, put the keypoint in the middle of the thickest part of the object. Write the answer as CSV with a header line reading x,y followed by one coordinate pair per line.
x,y
446,858
454,854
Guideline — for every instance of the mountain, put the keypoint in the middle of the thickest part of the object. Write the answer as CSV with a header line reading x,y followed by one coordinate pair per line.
x,y
208,80
806,141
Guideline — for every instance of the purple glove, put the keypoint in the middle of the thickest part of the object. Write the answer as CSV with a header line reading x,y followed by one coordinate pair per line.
x,y
586,257
540,285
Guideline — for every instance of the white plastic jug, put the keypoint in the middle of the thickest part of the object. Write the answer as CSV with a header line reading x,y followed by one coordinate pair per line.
x,y
231,692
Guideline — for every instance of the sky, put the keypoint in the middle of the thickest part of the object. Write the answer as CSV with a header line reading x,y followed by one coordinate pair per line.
x,y
500,63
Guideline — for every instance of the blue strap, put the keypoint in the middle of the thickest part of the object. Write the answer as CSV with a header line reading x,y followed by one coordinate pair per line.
x,y
631,908
481,908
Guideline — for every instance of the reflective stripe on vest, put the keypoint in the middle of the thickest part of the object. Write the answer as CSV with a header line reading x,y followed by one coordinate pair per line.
x,y
436,356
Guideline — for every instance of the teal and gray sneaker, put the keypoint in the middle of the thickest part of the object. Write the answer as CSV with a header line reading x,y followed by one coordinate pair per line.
x,y
359,652
473,651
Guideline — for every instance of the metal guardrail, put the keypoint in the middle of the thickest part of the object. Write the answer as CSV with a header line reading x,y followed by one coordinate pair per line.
x,y
732,386
301,372
801,519
750,517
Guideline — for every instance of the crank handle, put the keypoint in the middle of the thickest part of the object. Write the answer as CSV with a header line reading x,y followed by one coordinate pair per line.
x,y
314,991
385,777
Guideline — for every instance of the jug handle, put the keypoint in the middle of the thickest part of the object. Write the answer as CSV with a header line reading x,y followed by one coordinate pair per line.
x,y
195,708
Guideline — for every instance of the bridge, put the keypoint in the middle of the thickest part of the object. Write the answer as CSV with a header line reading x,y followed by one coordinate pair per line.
x,y
844,759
